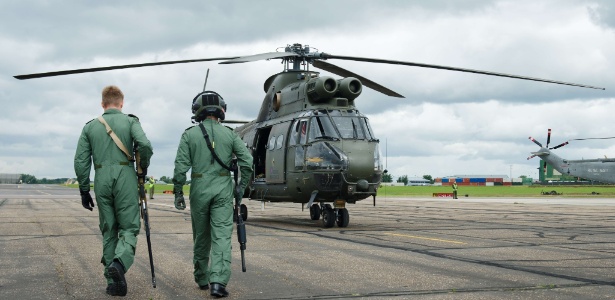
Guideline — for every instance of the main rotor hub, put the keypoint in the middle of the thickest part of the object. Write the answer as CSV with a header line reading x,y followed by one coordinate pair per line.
x,y
304,57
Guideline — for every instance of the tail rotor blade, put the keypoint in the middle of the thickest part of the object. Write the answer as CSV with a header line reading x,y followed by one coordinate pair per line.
x,y
535,142
548,137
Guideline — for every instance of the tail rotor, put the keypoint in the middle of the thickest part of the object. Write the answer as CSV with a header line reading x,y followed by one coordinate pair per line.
x,y
544,165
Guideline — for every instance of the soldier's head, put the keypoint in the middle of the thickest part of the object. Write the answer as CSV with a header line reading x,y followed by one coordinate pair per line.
x,y
208,103
112,97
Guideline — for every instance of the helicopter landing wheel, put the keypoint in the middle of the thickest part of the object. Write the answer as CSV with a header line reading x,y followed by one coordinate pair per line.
x,y
243,209
315,212
342,218
328,216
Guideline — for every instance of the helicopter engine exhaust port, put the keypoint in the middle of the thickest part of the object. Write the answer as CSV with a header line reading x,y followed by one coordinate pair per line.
x,y
349,88
321,88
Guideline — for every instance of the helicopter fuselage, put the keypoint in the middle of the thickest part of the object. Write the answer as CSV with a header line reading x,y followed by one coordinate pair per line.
x,y
310,143
599,169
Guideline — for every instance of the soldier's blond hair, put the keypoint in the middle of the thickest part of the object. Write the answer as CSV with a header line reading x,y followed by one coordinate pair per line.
x,y
112,95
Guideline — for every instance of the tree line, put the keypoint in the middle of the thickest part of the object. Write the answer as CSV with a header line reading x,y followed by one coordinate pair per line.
x,y
31,179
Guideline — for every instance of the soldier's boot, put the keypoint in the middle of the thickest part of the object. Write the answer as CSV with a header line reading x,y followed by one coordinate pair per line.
x,y
116,271
218,290
112,289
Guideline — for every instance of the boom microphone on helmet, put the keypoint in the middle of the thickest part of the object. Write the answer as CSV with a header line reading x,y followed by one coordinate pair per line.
x,y
208,103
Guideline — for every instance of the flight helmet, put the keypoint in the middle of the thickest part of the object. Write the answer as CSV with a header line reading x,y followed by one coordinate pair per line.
x,y
208,103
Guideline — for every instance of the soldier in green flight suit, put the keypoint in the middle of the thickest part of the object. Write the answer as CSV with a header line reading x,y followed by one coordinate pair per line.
x,y
115,183
211,189
454,189
150,186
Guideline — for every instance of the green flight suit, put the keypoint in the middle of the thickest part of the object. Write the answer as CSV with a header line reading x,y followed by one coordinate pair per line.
x,y
211,196
150,187
115,182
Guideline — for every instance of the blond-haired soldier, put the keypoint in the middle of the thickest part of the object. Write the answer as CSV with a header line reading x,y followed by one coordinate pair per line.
x,y
115,183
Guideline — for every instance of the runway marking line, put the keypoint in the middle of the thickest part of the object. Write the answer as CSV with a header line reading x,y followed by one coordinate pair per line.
x,y
425,238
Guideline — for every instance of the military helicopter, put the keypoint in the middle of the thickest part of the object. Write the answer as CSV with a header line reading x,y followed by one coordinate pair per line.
x,y
310,143
599,169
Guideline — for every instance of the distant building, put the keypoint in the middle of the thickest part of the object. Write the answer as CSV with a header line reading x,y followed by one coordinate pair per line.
x,y
418,181
550,175
9,178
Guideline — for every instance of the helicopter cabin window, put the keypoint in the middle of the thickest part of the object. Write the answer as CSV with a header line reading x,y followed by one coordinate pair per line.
x,y
279,142
322,128
271,144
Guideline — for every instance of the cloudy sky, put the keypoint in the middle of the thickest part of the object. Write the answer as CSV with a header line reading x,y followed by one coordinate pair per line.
x,y
449,123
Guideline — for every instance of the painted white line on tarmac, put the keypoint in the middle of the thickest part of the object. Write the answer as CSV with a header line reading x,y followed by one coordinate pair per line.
x,y
425,238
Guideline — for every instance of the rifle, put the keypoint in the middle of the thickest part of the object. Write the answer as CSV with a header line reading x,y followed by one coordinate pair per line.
x,y
144,214
241,226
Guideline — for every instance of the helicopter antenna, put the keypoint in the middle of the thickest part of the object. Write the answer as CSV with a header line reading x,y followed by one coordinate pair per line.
x,y
206,76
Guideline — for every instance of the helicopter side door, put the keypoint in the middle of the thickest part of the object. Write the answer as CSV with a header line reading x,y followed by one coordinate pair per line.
x,y
276,149
295,155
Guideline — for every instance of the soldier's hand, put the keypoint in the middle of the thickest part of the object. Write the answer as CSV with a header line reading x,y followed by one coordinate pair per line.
x,y
180,203
86,200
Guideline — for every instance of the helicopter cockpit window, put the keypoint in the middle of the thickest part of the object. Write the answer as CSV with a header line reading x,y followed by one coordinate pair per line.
x,y
369,133
324,156
302,131
350,127
322,128
279,142
271,144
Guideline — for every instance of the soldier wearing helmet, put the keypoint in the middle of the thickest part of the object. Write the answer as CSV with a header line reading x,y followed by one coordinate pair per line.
x,y
211,189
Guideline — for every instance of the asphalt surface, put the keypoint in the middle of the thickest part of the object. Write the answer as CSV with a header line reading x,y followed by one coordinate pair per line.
x,y
404,248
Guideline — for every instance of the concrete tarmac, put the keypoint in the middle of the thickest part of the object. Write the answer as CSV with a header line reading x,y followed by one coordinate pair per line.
x,y
546,247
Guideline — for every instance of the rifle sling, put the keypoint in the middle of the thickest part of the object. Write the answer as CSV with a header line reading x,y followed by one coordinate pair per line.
x,y
232,168
115,139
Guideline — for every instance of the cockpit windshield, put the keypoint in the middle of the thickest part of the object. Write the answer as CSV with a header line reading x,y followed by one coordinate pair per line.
x,y
335,125
352,125
322,128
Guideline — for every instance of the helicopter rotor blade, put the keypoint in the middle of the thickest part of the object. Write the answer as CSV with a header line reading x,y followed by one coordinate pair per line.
x,y
533,155
234,122
548,138
262,56
90,70
345,73
536,142
558,146
413,64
